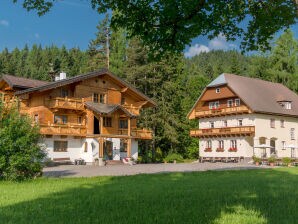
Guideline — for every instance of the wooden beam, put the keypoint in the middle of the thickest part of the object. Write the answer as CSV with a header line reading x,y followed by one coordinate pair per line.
x,y
124,89
129,147
100,153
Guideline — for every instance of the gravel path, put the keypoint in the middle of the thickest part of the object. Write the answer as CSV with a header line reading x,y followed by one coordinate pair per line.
x,y
123,170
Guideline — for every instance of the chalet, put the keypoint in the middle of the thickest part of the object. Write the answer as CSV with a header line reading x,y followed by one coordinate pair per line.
x,y
83,117
241,117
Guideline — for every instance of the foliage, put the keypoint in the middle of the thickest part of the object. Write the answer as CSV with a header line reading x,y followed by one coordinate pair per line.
x,y
167,25
242,196
20,153
172,157
271,159
256,159
286,160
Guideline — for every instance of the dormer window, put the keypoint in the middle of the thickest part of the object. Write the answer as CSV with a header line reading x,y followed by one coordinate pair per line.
x,y
286,104
217,90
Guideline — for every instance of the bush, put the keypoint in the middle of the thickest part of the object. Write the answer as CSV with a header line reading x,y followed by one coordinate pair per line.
x,y
256,159
158,155
20,154
172,157
286,161
271,159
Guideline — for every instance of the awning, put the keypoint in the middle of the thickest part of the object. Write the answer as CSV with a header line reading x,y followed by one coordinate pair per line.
x,y
107,109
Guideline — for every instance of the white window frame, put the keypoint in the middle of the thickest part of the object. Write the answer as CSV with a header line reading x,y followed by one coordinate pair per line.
x,y
282,123
225,123
217,90
283,145
214,105
272,123
209,144
237,102
221,144
292,133
240,121
233,144
211,124
230,103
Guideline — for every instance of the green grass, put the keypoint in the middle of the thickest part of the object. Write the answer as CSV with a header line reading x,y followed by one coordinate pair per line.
x,y
249,196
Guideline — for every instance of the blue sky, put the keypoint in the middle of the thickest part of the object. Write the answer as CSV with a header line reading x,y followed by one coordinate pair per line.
x,y
71,23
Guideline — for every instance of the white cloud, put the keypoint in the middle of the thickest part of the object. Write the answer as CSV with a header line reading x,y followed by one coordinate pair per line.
x,y
196,50
219,43
36,35
4,22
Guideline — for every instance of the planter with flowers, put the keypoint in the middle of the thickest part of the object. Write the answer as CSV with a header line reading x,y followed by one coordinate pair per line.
x,y
219,150
232,149
208,150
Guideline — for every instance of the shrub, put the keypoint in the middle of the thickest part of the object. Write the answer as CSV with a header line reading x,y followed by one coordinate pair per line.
x,y
158,155
286,161
172,157
271,159
20,154
256,159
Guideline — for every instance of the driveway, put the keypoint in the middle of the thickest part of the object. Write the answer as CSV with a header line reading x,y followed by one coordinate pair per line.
x,y
123,170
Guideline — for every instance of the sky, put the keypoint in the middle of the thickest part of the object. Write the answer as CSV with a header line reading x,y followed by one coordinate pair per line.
x,y
73,23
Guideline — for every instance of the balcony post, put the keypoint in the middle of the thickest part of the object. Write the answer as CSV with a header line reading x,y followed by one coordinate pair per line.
x,y
128,127
129,147
100,153
100,124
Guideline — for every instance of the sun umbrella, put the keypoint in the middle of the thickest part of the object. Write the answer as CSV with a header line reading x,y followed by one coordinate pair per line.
x,y
292,146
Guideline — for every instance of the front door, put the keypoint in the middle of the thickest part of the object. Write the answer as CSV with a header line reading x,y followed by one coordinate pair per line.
x,y
272,148
108,150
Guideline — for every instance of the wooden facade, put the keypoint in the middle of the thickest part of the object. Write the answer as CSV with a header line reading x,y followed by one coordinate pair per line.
x,y
60,109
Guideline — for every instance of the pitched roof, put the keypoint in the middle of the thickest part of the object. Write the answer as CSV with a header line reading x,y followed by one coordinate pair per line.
x,y
84,77
259,95
23,83
107,109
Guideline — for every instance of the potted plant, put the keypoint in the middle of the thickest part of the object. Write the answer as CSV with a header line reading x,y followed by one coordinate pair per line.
x,y
232,149
219,150
271,160
207,150
286,161
256,160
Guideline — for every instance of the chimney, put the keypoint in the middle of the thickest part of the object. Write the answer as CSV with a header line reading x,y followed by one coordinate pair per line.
x,y
62,75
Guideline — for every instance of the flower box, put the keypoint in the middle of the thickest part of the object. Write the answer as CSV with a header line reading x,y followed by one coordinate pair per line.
x,y
220,150
208,150
232,149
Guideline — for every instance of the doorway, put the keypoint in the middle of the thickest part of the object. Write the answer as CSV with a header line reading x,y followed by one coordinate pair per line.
x,y
272,147
108,150
96,126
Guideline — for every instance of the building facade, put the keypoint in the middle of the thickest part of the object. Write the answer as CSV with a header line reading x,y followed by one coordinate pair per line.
x,y
241,117
83,117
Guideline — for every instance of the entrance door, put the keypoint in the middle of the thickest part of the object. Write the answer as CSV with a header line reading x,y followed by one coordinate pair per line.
x,y
272,149
96,126
108,150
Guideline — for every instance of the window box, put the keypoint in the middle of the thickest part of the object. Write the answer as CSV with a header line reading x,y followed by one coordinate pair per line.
x,y
220,150
208,150
232,149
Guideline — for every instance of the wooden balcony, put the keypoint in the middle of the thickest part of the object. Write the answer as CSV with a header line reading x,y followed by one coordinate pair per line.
x,y
62,129
141,133
222,111
65,103
223,132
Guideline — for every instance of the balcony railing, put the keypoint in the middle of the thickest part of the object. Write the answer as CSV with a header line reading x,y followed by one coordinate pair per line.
x,y
65,103
141,133
226,131
62,129
222,111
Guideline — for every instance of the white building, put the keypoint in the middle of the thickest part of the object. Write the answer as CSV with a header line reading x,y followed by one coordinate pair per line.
x,y
241,117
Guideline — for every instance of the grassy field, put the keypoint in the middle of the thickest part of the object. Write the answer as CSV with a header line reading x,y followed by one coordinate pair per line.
x,y
250,196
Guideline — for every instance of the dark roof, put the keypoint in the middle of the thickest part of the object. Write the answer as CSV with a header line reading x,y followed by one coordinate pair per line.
x,y
84,77
107,109
23,83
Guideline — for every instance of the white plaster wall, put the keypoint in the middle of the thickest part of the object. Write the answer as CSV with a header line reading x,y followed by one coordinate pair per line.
x,y
263,129
243,147
247,120
74,147
92,150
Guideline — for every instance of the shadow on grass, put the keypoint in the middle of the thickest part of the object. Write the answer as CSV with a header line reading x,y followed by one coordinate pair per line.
x,y
250,196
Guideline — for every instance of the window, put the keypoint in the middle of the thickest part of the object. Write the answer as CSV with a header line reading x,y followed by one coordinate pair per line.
x,y
80,120
221,144
211,123
64,93
36,118
217,90
229,103
292,133
123,124
237,102
107,122
95,97
272,123
209,144
122,100
60,146
85,147
233,144
282,123
102,98
60,119
240,122
123,145
283,144
286,104
214,105
225,123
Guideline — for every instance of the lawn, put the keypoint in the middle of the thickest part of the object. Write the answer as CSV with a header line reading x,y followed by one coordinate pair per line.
x,y
247,196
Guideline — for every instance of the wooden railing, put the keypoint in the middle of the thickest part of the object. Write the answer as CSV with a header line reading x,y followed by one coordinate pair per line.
x,y
132,109
66,103
141,133
222,111
226,131
62,129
